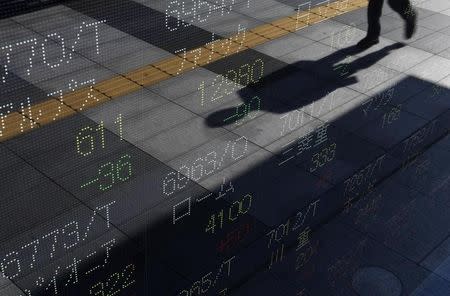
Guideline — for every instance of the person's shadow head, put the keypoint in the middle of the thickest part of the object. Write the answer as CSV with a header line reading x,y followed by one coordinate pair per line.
x,y
299,84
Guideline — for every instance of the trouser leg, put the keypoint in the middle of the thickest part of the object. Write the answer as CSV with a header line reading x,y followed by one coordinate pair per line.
x,y
402,7
373,16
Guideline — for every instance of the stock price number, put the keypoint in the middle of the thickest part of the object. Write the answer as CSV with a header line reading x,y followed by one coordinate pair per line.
x,y
322,157
111,173
224,85
88,136
231,214
115,283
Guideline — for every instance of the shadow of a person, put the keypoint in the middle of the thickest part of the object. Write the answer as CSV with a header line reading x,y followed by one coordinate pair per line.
x,y
298,85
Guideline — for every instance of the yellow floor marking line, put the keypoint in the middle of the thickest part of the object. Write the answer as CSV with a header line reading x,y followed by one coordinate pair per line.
x,y
53,109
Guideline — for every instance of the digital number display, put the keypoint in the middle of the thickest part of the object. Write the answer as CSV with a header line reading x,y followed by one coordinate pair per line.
x,y
223,147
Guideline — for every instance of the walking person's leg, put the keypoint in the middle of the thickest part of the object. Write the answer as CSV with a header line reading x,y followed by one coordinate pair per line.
x,y
406,11
374,11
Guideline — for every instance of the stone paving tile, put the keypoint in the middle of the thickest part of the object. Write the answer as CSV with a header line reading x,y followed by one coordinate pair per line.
x,y
422,13
45,142
267,174
438,260
418,142
436,22
146,125
68,22
265,129
404,58
345,38
387,10
187,83
353,18
444,143
212,99
445,118
259,61
284,45
15,170
351,115
115,48
399,34
311,52
434,5
128,106
80,214
394,126
323,102
445,82
432,285
326,29
11,290
263,283
398,89
445,53
228,24
445,31
11,32
426,175
368,78
149,190
405,223
432,69
175,255
289,135
58,15
4,282
132,61
55,64
439,157
233,168
31,208
235,113
348,261
94,73
385,47
429,103
350,154
179,140
388,23
138,16
112,238
78,167
15,92
124,54
163,121
265,11
434,43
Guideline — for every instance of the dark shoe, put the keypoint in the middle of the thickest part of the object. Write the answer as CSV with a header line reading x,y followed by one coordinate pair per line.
x,y
367,42
411,22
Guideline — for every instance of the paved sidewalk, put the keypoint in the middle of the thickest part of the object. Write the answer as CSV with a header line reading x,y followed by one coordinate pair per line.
x,y
299,166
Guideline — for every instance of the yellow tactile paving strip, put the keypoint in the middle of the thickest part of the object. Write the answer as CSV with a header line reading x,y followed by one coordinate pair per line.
x,y
37,115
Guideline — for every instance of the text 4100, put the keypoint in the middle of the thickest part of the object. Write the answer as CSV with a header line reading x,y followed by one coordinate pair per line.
x,y
230,214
